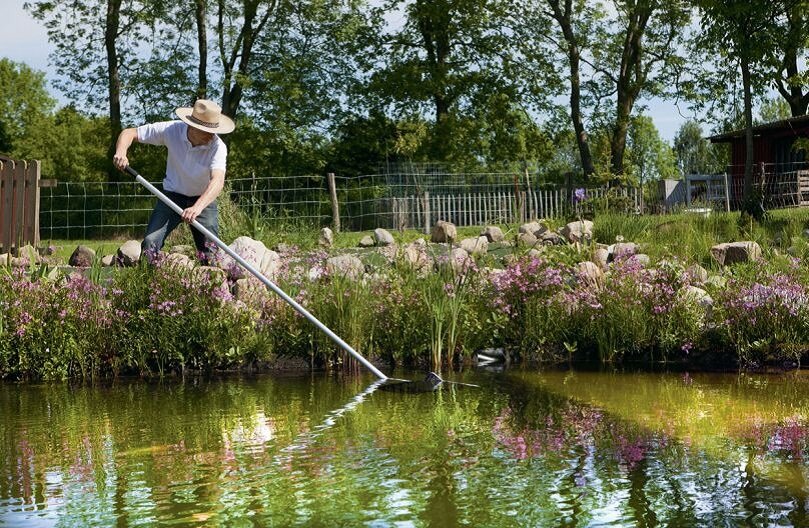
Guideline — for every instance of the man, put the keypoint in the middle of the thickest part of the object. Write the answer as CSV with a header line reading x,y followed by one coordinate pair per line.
x,y
195,170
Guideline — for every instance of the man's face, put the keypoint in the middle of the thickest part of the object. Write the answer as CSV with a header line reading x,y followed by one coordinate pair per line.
x,y
198,137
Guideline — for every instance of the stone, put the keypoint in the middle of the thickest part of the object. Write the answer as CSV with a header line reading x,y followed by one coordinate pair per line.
x,y
284,248
250,291
697,274
29,253
366,242
642,259
184,249
729,253
601,256
326,238
459,260
390,252
443,232
526,239
510,259
534,228
589,273
383,237
82,257
416,257
578,231
108,260
550,238
255,253
179,260
493,234
18,262
214,276
4,259
697,296
536,252
475,246
346,265
129,253
625,249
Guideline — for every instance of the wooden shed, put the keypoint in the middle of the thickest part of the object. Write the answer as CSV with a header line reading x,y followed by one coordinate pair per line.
x,y
781,168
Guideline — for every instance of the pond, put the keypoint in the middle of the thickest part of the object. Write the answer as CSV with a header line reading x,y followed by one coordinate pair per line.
x,y
525,448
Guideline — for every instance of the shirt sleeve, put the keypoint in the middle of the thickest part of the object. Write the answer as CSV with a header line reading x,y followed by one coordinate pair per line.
x,y
220,156
154,134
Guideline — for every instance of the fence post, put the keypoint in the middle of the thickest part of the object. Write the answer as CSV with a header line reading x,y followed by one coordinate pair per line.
x,y
335,205
727,193
426,198
31,220
6,201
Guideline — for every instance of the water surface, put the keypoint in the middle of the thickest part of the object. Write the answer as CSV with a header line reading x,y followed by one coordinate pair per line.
x,y
523,449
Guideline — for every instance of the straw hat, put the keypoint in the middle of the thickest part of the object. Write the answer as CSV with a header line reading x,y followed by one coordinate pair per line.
x,y
206,116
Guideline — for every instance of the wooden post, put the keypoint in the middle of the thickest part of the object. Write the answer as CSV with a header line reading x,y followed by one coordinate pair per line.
x,y
335,205
727,193
426,199
6,203
30,230
18,207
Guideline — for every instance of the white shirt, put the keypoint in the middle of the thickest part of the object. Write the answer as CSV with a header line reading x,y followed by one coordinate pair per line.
x,y
188,168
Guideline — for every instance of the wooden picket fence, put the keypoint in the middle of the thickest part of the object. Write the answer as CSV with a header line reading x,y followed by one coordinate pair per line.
x,y
19,203
475,209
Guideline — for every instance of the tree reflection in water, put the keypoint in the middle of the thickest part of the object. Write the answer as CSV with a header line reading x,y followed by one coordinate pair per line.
x,y
532,449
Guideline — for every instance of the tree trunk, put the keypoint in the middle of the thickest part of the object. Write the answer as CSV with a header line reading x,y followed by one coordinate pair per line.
x,y
563,18
242,51
434,31
202,46
575,115
619,132
631,78
793,93
747,190
113,79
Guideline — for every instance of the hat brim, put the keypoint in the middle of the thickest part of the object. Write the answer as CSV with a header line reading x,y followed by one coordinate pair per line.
x,y
226,124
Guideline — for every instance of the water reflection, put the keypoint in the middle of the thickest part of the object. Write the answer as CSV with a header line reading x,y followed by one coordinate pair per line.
x,y
524,449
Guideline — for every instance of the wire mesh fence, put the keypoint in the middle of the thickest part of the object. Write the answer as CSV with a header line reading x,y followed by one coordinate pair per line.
x,y
412,199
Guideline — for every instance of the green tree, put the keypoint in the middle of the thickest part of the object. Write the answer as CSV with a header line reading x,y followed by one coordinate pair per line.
x,y
636,54
573,23
25,105
742,34
693,153
650,158
794,36
98,43
774,109
446,54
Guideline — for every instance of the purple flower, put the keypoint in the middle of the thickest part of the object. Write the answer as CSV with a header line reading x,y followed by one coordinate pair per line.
x,y
579,195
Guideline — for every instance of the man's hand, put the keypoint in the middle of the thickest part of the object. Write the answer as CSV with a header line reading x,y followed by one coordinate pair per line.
x,y
190,214
120,161
125,139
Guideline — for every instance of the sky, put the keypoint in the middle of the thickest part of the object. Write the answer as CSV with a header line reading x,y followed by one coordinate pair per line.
x,y
23,39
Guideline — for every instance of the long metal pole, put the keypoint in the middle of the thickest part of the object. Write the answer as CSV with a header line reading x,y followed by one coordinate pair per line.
x,y
260,276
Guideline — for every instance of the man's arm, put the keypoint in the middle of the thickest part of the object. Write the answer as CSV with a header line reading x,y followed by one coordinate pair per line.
x,y
125,139
206,198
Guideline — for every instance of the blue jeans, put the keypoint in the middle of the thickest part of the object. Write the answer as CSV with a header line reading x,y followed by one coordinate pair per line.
x,y
163,221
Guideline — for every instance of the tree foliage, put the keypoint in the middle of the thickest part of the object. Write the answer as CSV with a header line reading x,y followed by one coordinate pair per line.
x,y
350,86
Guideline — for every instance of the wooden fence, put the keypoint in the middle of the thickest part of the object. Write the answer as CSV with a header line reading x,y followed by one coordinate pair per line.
x,y
477,209
19,203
